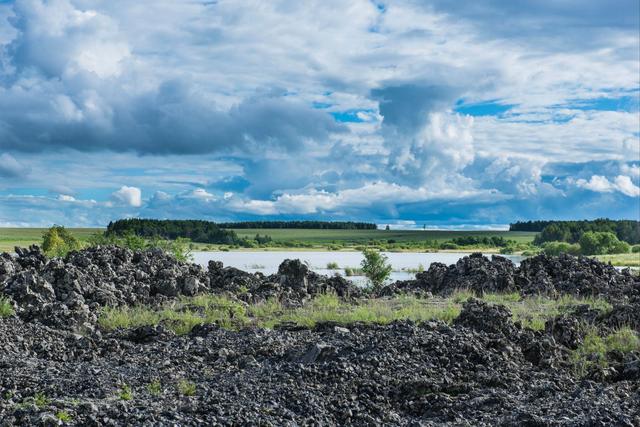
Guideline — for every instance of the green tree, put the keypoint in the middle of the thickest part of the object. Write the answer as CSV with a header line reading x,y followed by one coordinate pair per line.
x,y
58,242
376,267
598,242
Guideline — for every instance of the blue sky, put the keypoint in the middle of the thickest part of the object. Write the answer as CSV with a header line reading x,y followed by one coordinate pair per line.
x,y
459,114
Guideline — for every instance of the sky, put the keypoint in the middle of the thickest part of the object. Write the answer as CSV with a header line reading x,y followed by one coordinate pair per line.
x,y
405,112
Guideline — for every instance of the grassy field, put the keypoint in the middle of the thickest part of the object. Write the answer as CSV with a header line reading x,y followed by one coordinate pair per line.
x,y
11,237
622,260
316,239
362,236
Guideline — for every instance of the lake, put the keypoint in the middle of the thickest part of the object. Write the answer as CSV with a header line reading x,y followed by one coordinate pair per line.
x,y
268,262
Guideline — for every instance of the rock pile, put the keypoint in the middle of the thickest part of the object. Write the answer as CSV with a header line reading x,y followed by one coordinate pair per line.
x,y
68,293
476,371
565,274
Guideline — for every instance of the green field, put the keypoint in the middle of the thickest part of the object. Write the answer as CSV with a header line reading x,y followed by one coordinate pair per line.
x,y
363,236
12,237
316,239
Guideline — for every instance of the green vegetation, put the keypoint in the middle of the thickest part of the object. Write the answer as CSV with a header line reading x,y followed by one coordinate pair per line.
x,y
63,416
154,387
592,353
58,242
125,392
187,388
195,230
376,267
332,266
41,400
181,317
6,309
556,248
572,231
310,225
597,242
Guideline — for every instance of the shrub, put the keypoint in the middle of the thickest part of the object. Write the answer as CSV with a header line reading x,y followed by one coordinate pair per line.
x,y
154,387
376,267
187,388
557,248
125,392
596,242
58,242
6,309
63,416
635,249
332,266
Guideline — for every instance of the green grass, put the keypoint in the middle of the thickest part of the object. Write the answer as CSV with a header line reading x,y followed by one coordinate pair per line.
x,y
186,388
63,416
622,260
12,237
125,392
154,388
182,316
6,309
592,353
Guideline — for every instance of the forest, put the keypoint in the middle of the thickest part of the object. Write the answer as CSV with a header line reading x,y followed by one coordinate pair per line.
x,y
571,231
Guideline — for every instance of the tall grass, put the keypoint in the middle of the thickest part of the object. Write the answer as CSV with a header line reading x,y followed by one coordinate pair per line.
x,y
6,309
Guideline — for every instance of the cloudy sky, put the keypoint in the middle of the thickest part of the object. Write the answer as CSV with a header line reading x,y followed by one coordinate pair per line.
x,y
430,112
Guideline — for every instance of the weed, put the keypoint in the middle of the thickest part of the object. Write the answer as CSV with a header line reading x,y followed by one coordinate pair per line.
x,y
154,387
63,416
41,400
125,392
6,309
332,265
187,388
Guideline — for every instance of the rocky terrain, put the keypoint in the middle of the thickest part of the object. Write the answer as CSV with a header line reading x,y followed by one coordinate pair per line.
x,y
58,367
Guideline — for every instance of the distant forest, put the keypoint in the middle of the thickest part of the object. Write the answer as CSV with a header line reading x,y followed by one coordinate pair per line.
x,y
210,232
197,231
315,225
571,231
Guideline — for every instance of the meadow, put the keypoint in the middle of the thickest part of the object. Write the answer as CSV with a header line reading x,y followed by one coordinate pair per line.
x,y
311,239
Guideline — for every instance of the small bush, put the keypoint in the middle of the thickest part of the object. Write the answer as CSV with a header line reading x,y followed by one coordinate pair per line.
x,y
125,392
557,248
332,266
63,416
6,309
41,400
58,242
376,267
635,249
154,387
187,388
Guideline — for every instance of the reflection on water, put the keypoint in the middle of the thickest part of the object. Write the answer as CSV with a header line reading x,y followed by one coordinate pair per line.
x,y
268,262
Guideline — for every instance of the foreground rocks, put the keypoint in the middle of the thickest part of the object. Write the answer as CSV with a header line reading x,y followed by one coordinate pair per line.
x,y
56,363
476,372
69,293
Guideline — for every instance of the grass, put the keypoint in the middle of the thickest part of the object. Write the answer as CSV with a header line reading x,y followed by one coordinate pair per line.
x,y
63,416
592,353
300,239
6,309
11,237
622,260
125,392
187,388
183,315
333,266
154,388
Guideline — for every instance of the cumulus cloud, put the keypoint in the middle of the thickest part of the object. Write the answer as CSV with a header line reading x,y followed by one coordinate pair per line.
x,y
129,196
601,184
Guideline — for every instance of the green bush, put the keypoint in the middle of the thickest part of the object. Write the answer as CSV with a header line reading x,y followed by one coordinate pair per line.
x,y
635,249
58,242
597,243
376,267
6,309
557,248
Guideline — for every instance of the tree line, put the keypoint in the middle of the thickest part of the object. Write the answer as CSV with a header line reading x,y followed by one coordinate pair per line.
x,y
195,230
572,231
315,225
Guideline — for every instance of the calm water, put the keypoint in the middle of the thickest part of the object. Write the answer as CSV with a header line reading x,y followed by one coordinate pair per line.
x,y
268,262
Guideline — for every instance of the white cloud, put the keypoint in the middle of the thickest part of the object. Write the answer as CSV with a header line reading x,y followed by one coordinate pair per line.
x,y
601,184
12,168
130,196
